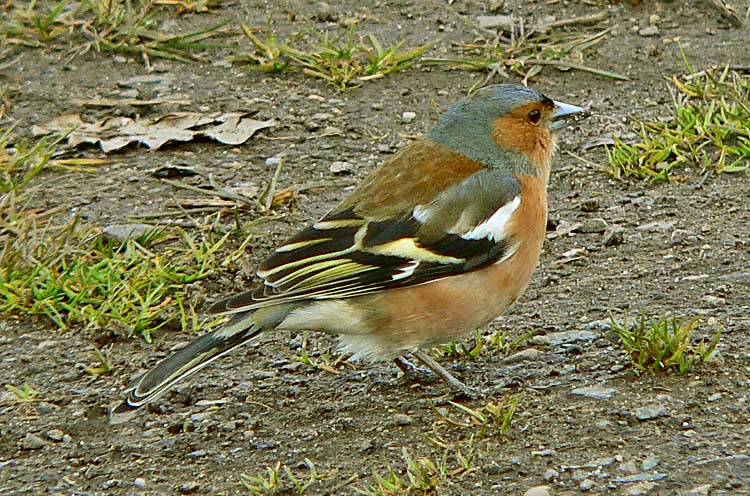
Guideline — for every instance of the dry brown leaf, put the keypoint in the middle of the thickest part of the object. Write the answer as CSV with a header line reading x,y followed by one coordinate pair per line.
x,y
114,133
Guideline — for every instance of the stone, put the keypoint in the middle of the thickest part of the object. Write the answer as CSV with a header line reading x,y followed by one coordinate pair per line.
x,y
649,463
639,489
593,226
649,31
341,168
613,236
124,232
495,22
523,355
537,491
32,442
55,435
656,226
403,419
640,478
189,487
586,484
550,474
595,392
650,412
702,490
565,337
712,301
325,13
274,161
139,482
408,117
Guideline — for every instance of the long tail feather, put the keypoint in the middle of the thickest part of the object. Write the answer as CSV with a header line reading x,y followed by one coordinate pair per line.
x,y
189,360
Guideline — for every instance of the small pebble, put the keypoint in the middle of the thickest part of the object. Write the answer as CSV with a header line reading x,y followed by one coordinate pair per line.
x,y
639,489
591,226
595,392
649,31
32,442
603,424
640,478
341,168
550,474
523,355
679,236
273,161
325,13
189,487
124,232
537,491
628,468
649,463
613,236
197,454
714,397
702,490
586,484
495,21
139,482
564,337
656,226
408,117
109,483
55,435
651,412
713,301
403,419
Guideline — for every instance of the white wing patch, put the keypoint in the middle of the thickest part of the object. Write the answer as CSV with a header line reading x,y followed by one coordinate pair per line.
x,y
406,271
421,213
494,227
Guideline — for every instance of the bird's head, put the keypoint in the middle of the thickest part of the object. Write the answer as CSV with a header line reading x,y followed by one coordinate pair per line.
x,y
505,125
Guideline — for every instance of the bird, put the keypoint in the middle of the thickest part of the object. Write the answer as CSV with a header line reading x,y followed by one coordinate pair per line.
x,y
439,240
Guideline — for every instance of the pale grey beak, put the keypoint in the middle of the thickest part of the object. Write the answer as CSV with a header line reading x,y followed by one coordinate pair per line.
x,y
562,112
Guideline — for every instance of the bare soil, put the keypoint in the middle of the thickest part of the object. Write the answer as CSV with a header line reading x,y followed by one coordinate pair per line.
x,y
685,250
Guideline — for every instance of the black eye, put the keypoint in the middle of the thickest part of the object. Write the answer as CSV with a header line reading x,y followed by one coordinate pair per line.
x,y
534,116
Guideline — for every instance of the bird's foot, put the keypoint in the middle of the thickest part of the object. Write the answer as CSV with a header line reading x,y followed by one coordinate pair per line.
x,y
461,389
412,373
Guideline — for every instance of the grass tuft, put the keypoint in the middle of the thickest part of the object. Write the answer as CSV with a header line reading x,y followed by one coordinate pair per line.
x,y
343,60
526,53
120,26
665,343
709,127
76,277
424,475
494,418
24,393
321,359
279,479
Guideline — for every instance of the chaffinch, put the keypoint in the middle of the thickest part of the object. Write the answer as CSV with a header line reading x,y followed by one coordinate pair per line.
x,y
439,240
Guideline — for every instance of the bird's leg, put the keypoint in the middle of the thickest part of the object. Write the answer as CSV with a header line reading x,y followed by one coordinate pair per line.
x,y
412,373
454,383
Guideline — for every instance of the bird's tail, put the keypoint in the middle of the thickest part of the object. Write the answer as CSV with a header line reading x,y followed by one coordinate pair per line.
x,y
189,360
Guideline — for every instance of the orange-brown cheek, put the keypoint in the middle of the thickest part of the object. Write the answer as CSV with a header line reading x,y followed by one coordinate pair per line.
x,y
535,142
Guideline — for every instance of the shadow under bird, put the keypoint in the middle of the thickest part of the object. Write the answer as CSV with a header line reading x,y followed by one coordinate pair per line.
x,y
439,240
